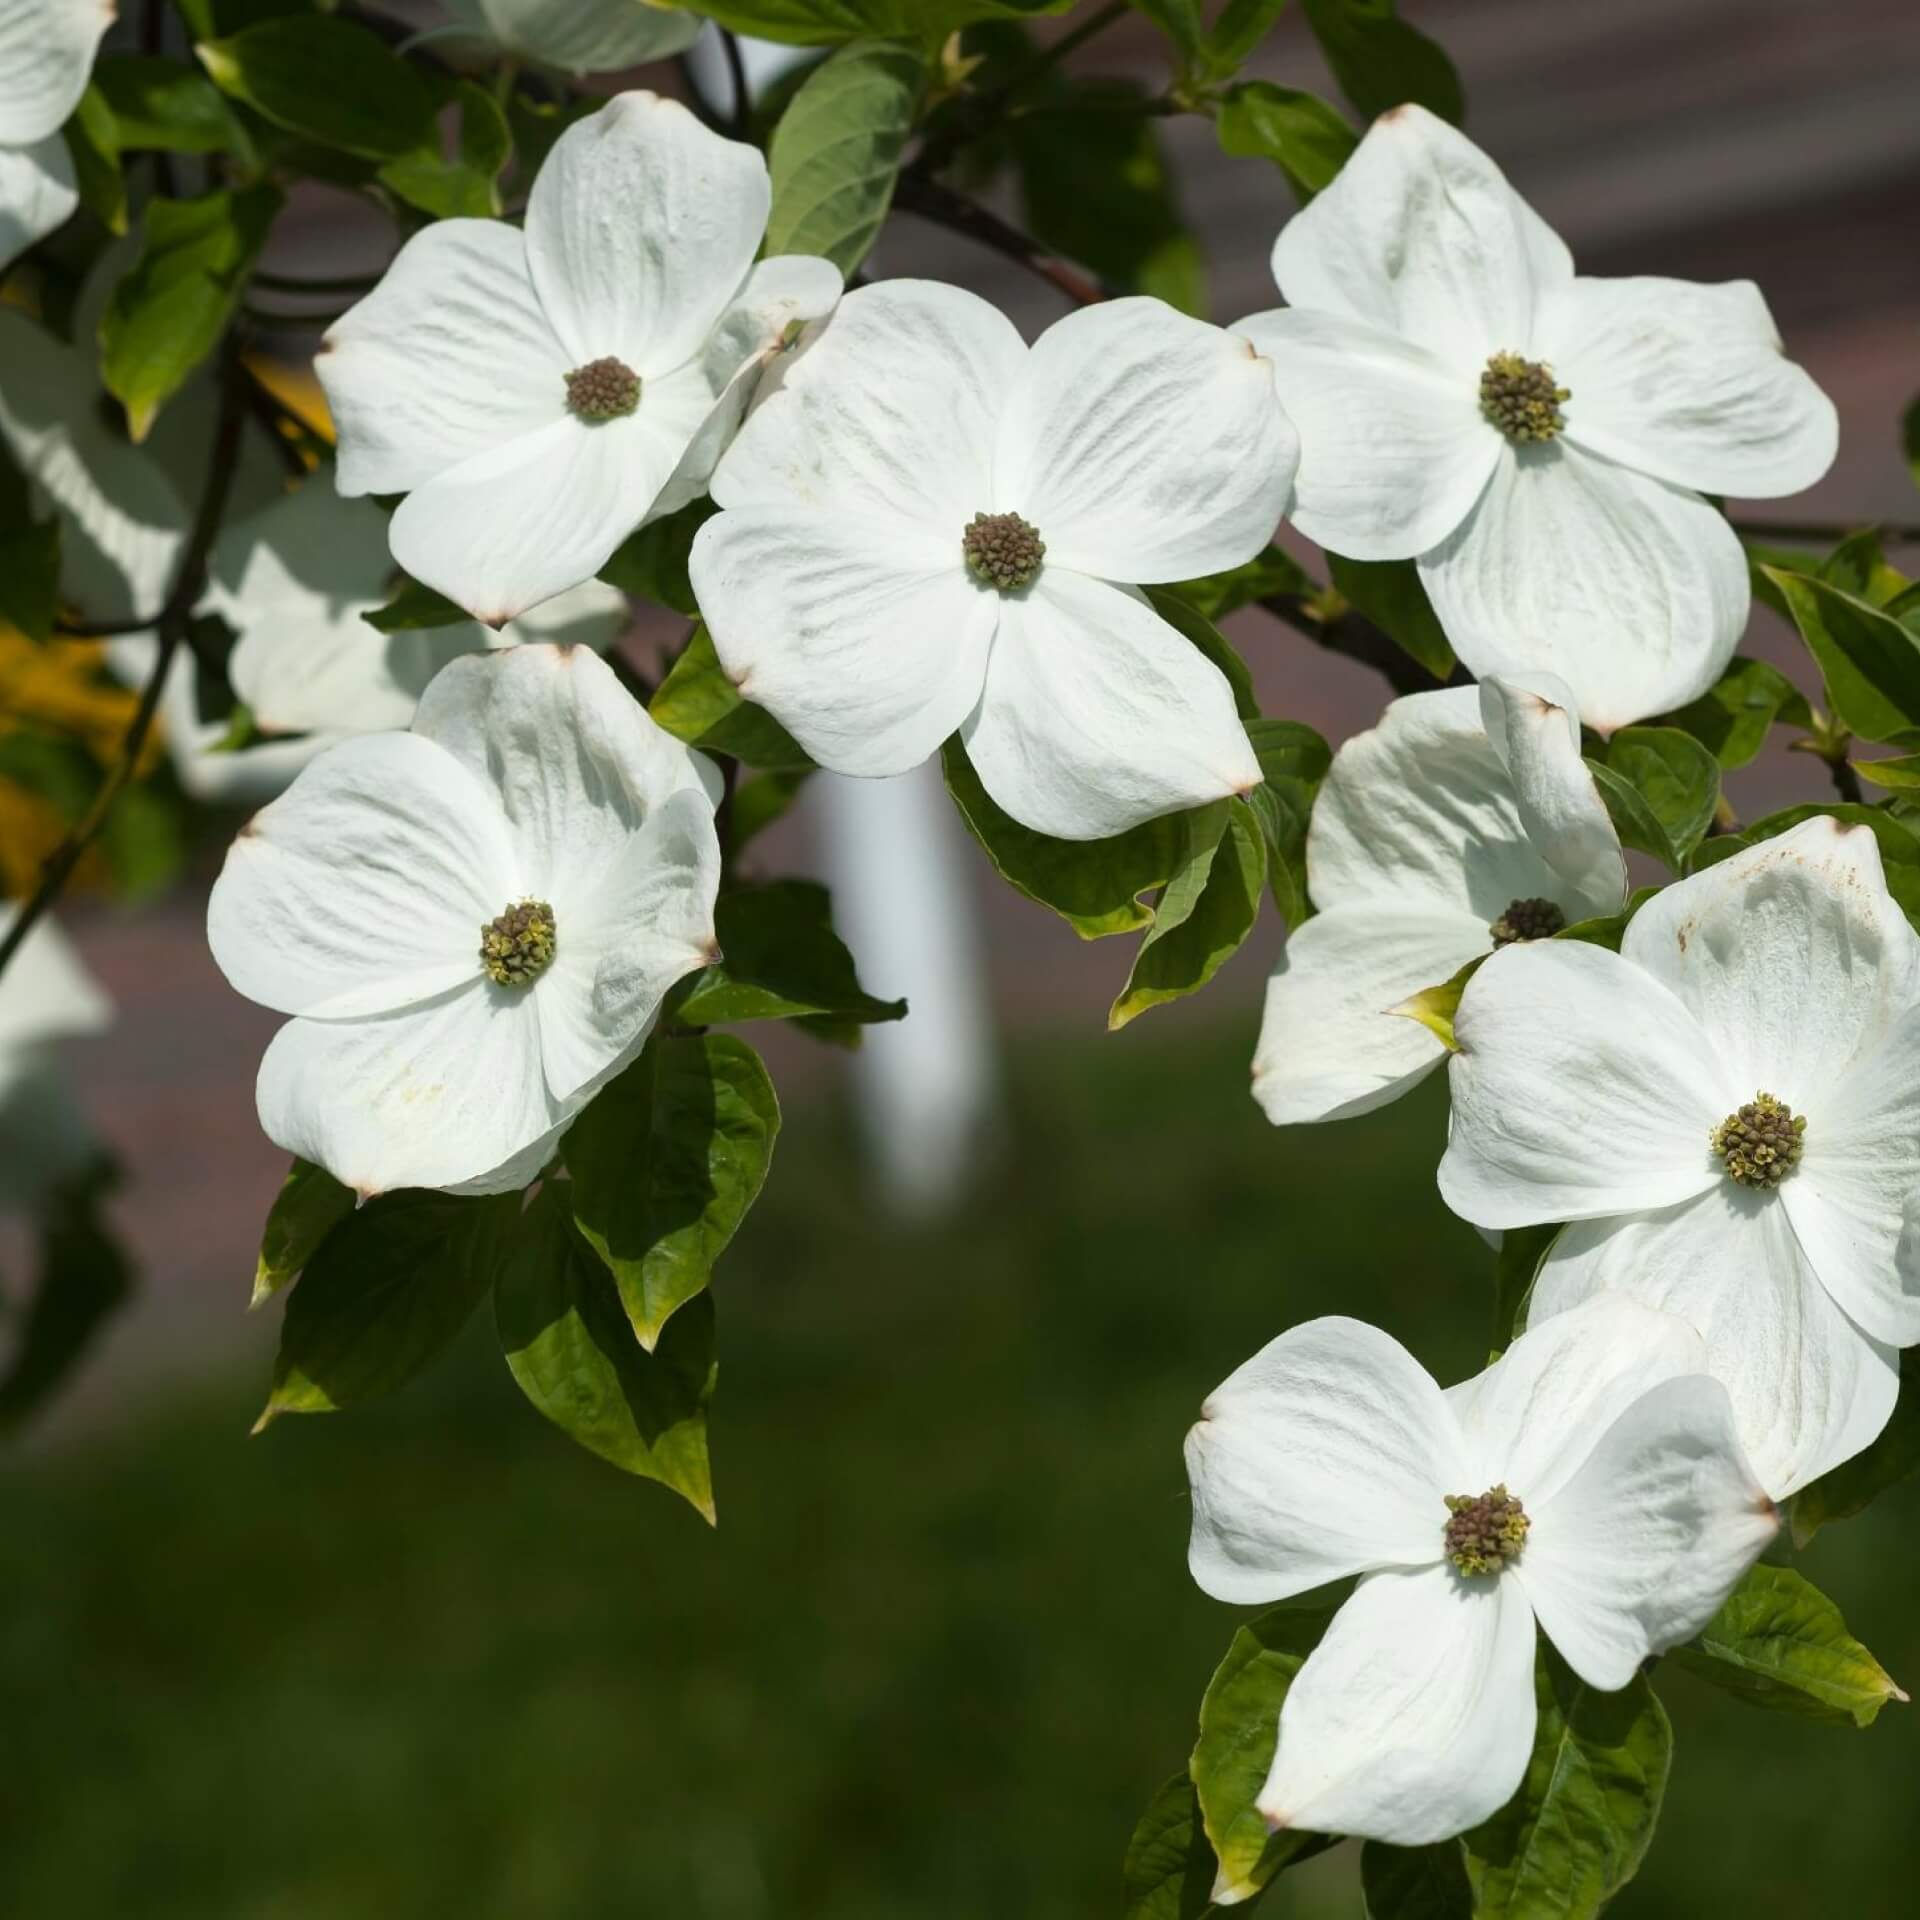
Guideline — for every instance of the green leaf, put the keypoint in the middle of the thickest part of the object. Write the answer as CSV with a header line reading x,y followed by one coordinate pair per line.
x,y
817,23
1299,132
382,1295
1578,1828
665,1163
1094,885
569,1346
310,1203
1854,1484
327,80
414,606
1869,661
781,960
1180,21
1242,25
1779,1642
1219,594
1389,593
1204,913
1731,719
652,564
1899,774
467,186
1381,62
1169,1867
1294,760
163,106
1676,782
697,703
30,578
835,154
1239,1729
1858,565
1415,1883
168,313
1435,1007
84,1274
1195,627
93,140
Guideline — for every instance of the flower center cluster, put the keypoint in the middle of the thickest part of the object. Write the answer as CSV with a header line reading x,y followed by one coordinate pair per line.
x,y
1483,1535
603,389
1520,398
1002,550
1762,1143
516,948
1527,920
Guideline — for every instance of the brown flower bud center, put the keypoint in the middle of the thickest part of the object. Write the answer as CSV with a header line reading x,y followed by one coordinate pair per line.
x,y
1521,399
1761,1143
1002,550
603,389
1533,919
516,947
1486,1534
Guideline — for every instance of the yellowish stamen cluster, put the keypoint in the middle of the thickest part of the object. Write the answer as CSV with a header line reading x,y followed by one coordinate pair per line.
x,y
1761,1143
516,947
1002,550
1484,1534
1521,398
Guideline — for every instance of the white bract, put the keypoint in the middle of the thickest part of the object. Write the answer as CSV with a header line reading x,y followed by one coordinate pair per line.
x,y
1537,441
1728,1112
932,528
1464,821
580,36
46,54
538,396
473,923
1588,1481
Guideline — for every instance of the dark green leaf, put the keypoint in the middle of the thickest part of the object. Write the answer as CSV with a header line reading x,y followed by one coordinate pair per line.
x,y
30,578
162,105
1219,594
1169,1867
170,310
818,23
1858,565
84,1274
1869,661
1294,760
382,1296
697,703
1239,1730
1732,717
836,152
1194,626
569,1346
310,1203
467,186
414,606
665,1163
1674,784
1389,593
1241,26
1303,136
1910,438
1416,1883
1381,62
652,564
1779,1642
781,960
537,124
93,140
1580,1825
327,80
1854,1484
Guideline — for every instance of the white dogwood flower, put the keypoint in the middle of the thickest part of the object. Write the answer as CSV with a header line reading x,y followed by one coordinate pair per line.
x,y
1538,441
46,54
539,395
1466,820
1728,1112
1588,1485
580,36
473,923
932,528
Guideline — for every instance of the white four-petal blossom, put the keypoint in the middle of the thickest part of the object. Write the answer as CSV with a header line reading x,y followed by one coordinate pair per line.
x,y
1429,828
1589,553
357,903
453,381
46,54
1589,1087
1139,445
1332,1452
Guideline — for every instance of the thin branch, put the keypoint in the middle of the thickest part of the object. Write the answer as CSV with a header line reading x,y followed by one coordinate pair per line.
x,y
171,632
932,201
1356,638
1846,783
340,283
1823,533
65,629
1055,51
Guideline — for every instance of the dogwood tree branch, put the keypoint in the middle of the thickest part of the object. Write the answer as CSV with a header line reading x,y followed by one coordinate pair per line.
x,y
917,193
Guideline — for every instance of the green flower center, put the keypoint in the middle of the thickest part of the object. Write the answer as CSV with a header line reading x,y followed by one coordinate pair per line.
x,y
1761,1143
516,948
603,389
1520,398
1002,550
1527,920
1486,1534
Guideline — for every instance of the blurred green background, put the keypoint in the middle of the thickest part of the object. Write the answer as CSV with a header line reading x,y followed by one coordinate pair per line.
x,y
429,1659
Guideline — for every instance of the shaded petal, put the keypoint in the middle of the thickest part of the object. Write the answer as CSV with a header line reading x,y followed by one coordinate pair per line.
x,y
1639,1549
641,226
449,356
1792,956
646,922
1144,445
1418,813
1688,383
37,194
49,992
1421,234
1536,732
365,887
586,36
1330,1452
1632,592
1582,1088
1529,1420
1809,1388
1098,715
869,663
889,414
1329,1046
46,54
1414,1718
444,1094
1394,450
